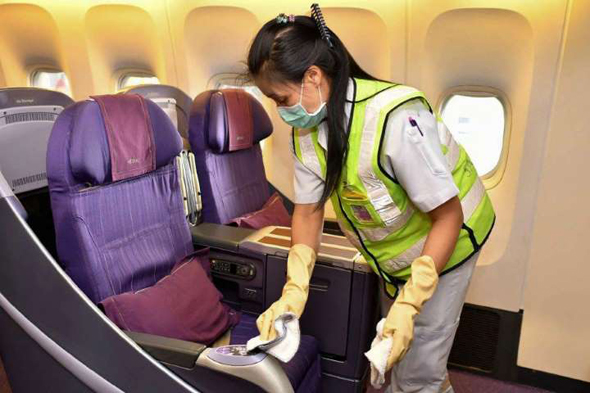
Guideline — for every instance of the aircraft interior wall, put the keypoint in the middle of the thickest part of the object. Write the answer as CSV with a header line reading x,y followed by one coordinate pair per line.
x,y
24,48
122,38
556,317
533,54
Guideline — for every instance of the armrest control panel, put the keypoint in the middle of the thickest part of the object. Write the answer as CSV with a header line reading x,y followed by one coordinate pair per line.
x,y
234,269
240,278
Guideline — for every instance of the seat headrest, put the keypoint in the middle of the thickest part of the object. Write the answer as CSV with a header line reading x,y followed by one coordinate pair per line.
x,y
161,95
115,137
230,120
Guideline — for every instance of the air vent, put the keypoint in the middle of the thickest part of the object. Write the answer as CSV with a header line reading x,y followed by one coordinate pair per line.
x,y
29,179
476,341
30,116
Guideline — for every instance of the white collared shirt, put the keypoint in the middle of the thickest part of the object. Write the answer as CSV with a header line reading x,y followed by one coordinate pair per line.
x,y
420,168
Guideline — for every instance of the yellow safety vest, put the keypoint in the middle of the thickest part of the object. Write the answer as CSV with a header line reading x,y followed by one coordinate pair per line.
x,y
373,210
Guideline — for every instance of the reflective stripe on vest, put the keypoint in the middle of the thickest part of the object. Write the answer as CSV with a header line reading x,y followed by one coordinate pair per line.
x,y
374,212
305,150
453,151
376,189
469,204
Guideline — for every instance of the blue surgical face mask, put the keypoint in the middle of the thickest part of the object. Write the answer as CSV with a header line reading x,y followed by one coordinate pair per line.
x,y
298,117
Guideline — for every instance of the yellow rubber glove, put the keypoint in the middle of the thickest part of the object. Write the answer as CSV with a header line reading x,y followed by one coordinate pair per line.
x,y
299,267
399,324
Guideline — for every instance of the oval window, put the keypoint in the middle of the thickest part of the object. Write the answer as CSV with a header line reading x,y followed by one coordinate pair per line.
x,y
478,123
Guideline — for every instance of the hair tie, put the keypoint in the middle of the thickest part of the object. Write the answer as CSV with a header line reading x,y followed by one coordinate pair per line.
x,y
284,19
318,17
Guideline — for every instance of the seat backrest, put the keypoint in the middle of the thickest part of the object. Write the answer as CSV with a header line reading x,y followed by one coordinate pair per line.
x,y
225,129
27,115
115,194
176,103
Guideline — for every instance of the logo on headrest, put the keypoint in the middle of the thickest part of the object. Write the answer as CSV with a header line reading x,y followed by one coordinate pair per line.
x,y
240,138
133,160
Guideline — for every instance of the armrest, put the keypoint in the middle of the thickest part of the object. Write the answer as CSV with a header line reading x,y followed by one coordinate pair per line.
x,y
168,350
220,236
260,370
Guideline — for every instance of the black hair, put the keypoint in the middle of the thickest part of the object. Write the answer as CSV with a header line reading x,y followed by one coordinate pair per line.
x,y
285,51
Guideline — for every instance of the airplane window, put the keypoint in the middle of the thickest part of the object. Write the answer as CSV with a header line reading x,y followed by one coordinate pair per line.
x,y
128,80
478,124
51,79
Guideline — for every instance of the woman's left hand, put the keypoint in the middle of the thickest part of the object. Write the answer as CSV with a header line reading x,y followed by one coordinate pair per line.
x,y
399,324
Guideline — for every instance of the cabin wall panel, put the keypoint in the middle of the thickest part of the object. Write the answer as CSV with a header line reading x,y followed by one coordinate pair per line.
x,y
366,38
21,47
121,37
514,47
216,40
557,316
87,62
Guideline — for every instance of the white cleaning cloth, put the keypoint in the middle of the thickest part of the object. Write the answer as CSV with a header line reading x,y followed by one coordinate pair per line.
x,y
378,355
285,345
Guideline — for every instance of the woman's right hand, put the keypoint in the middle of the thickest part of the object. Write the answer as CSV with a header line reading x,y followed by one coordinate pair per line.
x,y
307,226
299,268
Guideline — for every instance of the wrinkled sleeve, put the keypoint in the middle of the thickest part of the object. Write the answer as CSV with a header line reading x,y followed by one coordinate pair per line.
x,y
412,154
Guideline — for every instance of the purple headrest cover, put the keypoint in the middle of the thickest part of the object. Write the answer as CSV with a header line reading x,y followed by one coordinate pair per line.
x,y
232,119
136,138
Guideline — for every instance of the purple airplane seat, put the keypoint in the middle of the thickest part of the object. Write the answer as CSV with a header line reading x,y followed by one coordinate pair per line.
x,y
117,207
116,234
225,129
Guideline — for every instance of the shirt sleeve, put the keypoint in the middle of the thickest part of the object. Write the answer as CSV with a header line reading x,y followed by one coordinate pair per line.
x,y
412,154
308,186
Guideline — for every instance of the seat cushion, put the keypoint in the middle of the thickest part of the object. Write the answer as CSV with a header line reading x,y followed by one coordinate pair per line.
x,y
272,213
184,305
303,370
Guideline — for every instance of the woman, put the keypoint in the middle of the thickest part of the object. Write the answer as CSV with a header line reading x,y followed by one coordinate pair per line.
x,y
405,194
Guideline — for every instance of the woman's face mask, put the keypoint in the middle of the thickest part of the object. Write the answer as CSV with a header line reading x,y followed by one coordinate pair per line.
x,y
298,117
